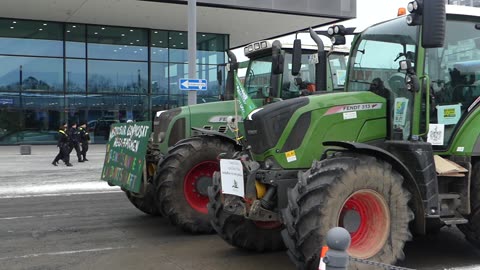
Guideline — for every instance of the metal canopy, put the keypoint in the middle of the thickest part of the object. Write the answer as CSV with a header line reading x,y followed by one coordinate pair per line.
x,y
245,21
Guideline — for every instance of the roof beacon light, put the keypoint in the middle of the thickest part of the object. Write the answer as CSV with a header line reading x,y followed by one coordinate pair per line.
x,y
401,11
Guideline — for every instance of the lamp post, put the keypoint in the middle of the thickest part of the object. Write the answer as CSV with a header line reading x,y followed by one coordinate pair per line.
x,y
192,47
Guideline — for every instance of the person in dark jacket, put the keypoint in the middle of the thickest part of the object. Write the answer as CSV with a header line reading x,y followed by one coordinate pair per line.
x,y
74,135
63,146
84,139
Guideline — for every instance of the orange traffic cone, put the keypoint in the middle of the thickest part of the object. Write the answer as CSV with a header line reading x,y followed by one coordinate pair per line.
x,y
323,253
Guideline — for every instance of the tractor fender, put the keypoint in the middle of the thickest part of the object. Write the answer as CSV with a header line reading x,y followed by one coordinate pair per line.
x,y
409,182
215,133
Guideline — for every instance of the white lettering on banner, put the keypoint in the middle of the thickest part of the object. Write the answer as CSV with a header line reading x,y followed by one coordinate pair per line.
x,y
128,143
137,131
132,131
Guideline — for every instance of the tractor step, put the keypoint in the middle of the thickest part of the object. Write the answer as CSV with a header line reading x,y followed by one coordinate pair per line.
x,y
449,204
454,220
448,196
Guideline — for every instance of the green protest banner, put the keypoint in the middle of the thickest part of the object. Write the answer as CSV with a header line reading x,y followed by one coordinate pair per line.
x,y
125,157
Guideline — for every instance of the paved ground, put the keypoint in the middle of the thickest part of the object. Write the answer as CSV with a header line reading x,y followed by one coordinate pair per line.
x,y
66,218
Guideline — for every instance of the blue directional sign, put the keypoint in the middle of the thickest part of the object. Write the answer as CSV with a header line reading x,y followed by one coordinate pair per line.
x,y
193,84
6,101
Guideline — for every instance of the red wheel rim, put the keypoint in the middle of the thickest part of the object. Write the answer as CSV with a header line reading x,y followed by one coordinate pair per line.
x,y
203,171
366,216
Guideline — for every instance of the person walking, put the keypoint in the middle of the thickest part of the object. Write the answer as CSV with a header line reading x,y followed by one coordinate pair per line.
x,y
84,140
63,146
74,135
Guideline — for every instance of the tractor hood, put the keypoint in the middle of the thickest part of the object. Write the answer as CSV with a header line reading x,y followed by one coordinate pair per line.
x,y
335,102
208,115
282,126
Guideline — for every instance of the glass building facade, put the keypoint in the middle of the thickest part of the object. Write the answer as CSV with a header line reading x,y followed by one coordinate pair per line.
x,y
53,72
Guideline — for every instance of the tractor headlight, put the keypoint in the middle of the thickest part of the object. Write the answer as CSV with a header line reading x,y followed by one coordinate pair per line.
x,y
414,7
330,31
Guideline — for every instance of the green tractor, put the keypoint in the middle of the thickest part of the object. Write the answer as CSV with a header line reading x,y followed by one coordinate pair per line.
x,y
177,173
397,153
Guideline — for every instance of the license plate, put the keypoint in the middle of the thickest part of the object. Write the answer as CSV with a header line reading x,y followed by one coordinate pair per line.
x,y
231,171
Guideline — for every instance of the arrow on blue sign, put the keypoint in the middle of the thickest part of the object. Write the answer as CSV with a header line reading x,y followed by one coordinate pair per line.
x,y
193,84
6,101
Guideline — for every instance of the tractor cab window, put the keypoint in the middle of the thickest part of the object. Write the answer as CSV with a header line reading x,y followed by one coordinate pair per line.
x,y
258,75
454,73
304,82
337,63
374,66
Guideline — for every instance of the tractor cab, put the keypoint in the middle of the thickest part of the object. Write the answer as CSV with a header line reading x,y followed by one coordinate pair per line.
x,y
451,73
270,75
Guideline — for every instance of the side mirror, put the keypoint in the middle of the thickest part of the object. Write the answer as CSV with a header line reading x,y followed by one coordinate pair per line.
x,y
296,57
431,15
434,19
411,80
277,58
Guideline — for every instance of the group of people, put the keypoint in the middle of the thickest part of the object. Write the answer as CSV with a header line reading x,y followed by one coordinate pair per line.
x,y
69,139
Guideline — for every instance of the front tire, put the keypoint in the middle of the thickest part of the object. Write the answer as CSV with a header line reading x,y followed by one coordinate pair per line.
x,y
237,230
471,230
183,179
145,203
360,193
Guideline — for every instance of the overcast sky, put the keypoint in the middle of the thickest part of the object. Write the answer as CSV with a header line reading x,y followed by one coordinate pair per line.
x,y
368,12
372,11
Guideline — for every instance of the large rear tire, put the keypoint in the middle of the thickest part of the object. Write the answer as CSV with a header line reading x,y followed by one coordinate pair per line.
x,y
183,179
239,231
471,230
147,202
360,193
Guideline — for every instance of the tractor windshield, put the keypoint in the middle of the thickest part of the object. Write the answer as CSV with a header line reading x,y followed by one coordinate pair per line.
x,y
293,86
337,62
258,75
374,66
454,72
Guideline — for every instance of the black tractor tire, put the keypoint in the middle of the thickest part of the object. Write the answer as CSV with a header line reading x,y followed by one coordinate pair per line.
x,y
323,198
471,230
183,178
147,202
237,230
